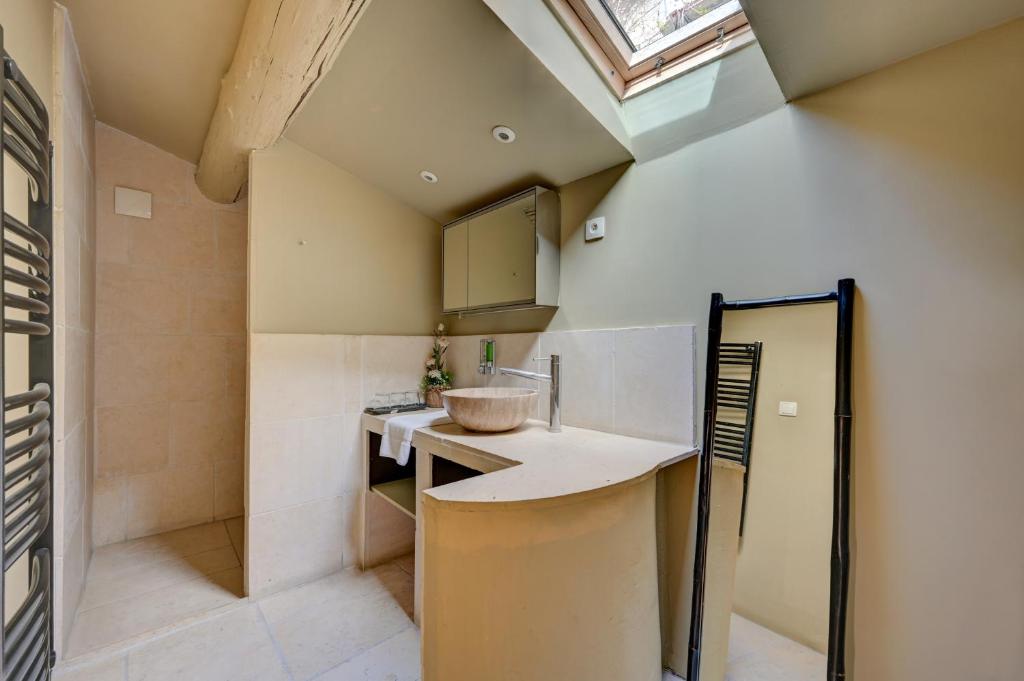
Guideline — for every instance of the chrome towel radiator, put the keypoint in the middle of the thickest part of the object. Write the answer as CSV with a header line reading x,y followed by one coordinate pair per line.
x,y
26,477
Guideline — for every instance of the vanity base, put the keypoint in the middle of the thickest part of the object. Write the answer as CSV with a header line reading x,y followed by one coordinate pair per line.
x,y
557,591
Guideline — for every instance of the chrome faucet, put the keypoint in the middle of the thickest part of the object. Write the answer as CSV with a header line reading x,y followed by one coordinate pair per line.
x,y
554,407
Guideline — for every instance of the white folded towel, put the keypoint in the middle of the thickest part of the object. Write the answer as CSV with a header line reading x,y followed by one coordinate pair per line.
x,y
398,430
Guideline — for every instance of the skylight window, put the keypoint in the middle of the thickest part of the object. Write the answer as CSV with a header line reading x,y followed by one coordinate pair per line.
x,y
645,22
639,43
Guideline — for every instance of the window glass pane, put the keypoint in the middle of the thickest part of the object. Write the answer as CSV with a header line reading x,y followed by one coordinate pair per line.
x,y
647,21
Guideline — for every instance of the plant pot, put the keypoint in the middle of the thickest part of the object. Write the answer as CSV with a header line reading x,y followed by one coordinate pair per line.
x,y
434,397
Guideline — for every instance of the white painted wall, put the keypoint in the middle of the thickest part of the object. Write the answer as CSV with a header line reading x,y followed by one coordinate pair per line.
x,y
911,180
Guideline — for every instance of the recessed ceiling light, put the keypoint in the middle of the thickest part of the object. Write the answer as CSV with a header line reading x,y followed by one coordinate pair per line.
x,y
504,134
428,176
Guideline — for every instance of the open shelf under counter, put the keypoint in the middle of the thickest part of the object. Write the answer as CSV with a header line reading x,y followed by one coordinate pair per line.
x,y
399,493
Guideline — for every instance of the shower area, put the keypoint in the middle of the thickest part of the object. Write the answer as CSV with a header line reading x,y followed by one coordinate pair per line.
x,y
124,380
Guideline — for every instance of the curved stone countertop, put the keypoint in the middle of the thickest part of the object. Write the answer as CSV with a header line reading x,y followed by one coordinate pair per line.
x,y
537,465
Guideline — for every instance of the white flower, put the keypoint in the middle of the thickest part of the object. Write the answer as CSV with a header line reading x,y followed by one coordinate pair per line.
x,y
440,328
443,343
434,374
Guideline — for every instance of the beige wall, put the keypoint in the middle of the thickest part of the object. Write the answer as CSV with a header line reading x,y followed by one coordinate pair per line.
x,y
28,38
910,179
333,254
40,40
170,348
782,575
305,464
74,222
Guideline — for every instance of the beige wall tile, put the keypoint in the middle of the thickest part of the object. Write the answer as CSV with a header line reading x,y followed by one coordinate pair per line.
x,y
132,299
206,431
74,565
350,452
232,232
73,476
238,363
170,308
228,488
587,377
654,383
295,462
87,282
131,439
178,237
294,545
109,503
352,369
299,376
132,369
169,498
72,273
217,303
75,368
114,239
463,360
198,368
393,363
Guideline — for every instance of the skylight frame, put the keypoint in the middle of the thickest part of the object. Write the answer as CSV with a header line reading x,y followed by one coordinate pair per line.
x,y
629,71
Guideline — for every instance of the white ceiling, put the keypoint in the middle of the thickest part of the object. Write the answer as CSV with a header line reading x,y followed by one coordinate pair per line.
x,y
815,44
154,67
419,86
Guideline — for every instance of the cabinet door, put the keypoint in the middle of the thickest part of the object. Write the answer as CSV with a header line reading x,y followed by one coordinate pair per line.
x,y
502,254
456,260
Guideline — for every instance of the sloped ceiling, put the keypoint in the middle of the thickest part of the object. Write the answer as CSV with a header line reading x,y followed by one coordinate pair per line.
x,y
420,85
815,44
154,67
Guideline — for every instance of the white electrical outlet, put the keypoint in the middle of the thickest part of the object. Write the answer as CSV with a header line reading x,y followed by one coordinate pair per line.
x,y
787,408
594,229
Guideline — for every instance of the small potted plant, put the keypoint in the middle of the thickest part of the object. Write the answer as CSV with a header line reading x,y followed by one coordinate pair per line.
x,y
437,379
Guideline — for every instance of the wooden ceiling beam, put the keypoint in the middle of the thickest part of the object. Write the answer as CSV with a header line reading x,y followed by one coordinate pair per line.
x,y
285,48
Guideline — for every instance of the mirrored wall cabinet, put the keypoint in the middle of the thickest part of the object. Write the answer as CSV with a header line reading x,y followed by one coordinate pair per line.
x,y
503,256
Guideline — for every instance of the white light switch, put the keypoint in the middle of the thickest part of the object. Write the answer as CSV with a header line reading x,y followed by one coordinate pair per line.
x,y
787,408
133,202
594,229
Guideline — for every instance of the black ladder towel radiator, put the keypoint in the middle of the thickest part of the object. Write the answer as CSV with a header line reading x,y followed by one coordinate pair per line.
x,y
26,477
737,398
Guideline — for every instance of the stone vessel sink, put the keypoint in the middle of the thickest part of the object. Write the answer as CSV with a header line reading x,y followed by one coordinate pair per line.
x,y
490,410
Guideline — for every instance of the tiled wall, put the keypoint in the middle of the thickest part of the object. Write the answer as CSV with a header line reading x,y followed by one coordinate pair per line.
x,y
637,381
306,393
74,257
170,348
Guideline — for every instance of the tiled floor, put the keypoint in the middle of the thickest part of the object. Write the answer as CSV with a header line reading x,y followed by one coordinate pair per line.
x,y
143,586
759,654
351,625
346,627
